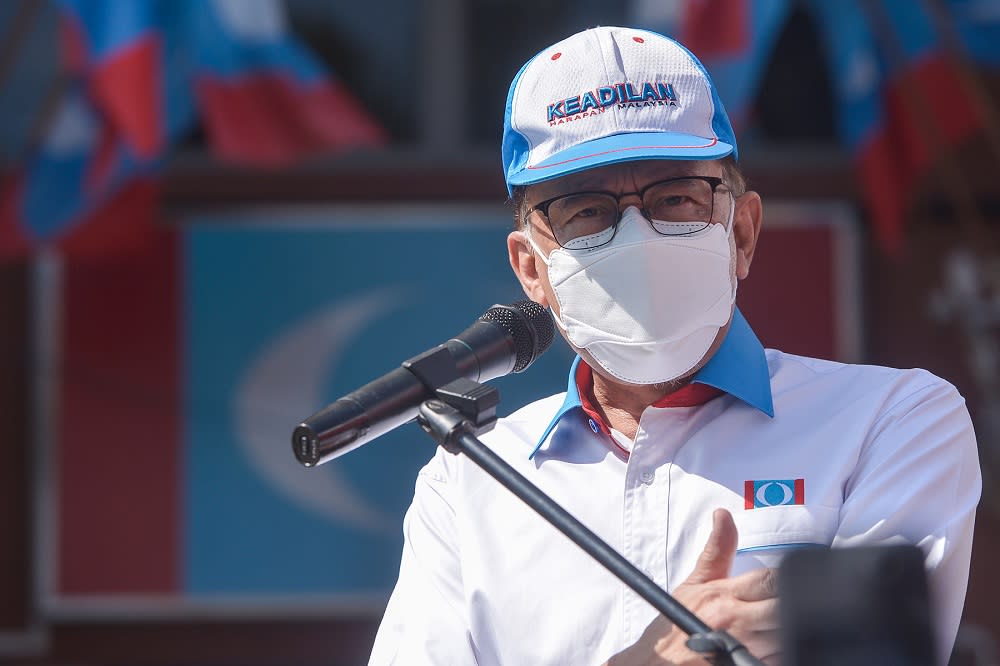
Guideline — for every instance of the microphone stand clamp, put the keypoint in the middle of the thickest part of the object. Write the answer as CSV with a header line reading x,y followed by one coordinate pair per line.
x,y
718,647
462,407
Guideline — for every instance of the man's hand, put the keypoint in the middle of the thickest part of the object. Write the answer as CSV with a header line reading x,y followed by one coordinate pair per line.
x,y
745,606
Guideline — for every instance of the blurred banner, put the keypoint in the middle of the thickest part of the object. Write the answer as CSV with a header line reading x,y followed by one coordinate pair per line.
x,y
137,77
185,368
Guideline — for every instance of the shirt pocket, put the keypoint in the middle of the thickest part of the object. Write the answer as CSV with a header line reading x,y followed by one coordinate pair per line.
x,y
768,534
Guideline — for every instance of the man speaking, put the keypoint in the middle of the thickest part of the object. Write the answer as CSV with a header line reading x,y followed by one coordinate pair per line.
x,y
682,442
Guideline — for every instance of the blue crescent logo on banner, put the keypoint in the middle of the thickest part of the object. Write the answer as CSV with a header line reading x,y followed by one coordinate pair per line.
x,y
283,385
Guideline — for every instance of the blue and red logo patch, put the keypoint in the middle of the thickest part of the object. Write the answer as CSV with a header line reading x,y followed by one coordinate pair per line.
x,y
773,492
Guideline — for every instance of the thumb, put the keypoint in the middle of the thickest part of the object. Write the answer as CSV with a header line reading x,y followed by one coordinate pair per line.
x,y
716,558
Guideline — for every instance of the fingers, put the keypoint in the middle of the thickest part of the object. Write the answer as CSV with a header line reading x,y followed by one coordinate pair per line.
x,y
764,645
745,605
753,623
742,618
755,585
759,616
716,558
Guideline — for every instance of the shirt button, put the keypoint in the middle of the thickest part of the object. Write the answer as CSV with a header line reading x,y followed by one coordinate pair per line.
x,y
647,477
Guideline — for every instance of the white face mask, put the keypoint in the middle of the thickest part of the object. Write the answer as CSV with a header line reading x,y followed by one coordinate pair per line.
x,y
647,307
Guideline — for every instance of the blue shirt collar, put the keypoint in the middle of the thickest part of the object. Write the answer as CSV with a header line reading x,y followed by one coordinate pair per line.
x,y
739,368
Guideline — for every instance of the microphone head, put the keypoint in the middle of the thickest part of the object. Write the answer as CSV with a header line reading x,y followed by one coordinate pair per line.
x,y
528,324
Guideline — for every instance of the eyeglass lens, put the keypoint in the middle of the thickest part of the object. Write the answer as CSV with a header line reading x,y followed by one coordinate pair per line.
x,y
588,219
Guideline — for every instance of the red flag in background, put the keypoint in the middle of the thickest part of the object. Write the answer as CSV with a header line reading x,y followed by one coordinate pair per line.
x,y
264,98
899,97
898,153
716,28
90,184
139,74
734,39
81,191
117,48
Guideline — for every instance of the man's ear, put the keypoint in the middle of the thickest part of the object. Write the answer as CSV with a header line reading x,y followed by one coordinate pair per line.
x,y
525,265
747,219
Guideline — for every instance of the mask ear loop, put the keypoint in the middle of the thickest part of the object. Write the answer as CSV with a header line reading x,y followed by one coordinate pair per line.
x,y
537,250
732,214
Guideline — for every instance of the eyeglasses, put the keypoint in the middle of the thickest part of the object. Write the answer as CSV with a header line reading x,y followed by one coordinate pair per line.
x,y
674,207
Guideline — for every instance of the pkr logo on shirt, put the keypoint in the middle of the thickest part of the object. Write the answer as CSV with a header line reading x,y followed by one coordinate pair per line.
x,y
773,492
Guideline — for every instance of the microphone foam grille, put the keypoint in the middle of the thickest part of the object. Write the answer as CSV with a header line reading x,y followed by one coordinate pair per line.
x,y
529,324
541,320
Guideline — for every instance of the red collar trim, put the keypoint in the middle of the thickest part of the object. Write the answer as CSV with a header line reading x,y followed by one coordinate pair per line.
x,y
689,395
585,388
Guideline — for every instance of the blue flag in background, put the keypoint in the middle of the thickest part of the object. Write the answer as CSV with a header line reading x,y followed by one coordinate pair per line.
x,y
139,75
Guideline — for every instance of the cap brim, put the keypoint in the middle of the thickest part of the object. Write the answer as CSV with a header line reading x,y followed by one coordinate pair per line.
x,y
622,148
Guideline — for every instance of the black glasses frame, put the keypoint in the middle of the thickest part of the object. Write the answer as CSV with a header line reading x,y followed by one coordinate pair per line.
x,y
543,206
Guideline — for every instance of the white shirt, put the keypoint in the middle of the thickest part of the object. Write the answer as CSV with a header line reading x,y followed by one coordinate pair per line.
x,y
881,455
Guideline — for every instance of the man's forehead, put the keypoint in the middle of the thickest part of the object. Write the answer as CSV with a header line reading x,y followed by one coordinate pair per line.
x,y
610,175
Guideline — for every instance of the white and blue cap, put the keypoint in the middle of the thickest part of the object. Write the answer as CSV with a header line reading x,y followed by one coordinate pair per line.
x,y
609,95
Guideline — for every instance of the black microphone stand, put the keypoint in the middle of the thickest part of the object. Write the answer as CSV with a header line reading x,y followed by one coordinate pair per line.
x,y
464,409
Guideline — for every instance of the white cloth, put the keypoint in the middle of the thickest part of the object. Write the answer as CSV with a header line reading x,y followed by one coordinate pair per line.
x,y
885,455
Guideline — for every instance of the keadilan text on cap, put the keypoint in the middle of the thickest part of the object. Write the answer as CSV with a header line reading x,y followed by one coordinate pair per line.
x,y
609,95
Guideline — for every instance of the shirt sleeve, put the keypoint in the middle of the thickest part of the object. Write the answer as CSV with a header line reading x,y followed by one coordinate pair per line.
x,y
918,480
425,621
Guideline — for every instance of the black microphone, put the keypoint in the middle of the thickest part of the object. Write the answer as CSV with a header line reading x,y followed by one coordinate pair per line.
x,y
506,339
